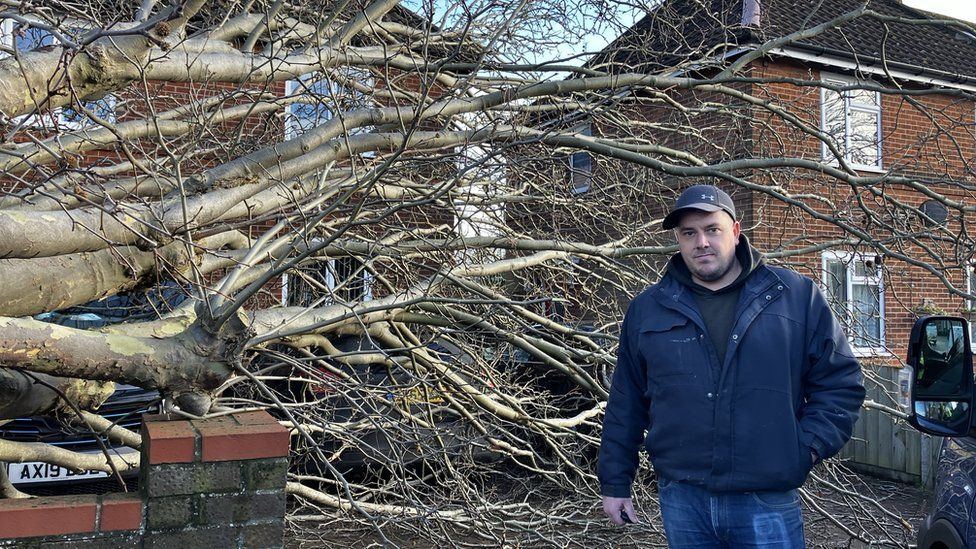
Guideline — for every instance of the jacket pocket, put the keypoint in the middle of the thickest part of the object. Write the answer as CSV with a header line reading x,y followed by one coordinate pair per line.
x,y
672,347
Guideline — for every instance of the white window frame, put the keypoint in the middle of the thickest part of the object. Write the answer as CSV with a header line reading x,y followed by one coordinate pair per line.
x,y
849,259
330,282
849,106
971,303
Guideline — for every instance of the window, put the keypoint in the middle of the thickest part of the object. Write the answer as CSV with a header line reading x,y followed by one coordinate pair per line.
x,y
103,108
854,287
314,108
581,168
340,280
6,34
971,303
323,98
25,39
852,121
31,38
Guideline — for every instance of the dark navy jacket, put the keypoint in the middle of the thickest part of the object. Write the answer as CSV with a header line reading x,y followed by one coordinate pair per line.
x,y
789,384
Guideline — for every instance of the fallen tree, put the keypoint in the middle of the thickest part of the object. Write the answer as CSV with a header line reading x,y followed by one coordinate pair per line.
x,y
376,222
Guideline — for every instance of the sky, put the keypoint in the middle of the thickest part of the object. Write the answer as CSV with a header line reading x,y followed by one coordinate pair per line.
x,y
960,9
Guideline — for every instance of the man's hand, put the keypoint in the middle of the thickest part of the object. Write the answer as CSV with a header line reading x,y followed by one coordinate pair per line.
x,y
619,508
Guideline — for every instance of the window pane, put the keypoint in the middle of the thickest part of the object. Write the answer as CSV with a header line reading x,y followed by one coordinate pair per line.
x,y
581,161
837,280
581,168
834,123
864,98
314,283
864,138
836,284
971,285
352,282
103,108
971,305
867,315
314,109
32,38
352,98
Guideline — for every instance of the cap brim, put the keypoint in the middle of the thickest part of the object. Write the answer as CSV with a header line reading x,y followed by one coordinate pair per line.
x,y
671,220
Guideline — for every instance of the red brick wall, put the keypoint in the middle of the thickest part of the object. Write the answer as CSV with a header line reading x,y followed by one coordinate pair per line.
x,y
216,482
927,136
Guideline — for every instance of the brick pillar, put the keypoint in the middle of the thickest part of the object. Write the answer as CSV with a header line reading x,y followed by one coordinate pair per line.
x,y
214,483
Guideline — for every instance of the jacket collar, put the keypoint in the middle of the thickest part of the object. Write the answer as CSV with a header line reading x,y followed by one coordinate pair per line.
x,y
672,293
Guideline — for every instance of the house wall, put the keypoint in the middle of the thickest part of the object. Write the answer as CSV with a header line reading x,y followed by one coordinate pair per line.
x,y
929,137
626,201
925,136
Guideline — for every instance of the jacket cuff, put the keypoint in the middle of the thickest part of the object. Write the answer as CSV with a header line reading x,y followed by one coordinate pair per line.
x,y
814,443
615,490
819,448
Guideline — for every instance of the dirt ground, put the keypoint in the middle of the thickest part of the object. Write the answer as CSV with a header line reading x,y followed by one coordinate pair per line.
x,y
904,508
871,512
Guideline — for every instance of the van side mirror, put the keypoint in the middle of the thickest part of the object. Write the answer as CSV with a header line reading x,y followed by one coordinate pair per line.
x,y
941,359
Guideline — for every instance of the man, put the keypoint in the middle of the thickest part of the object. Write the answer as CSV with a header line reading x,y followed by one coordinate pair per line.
x,y
742,380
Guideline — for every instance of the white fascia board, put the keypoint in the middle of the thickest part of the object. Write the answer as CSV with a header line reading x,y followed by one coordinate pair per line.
x,y
847,64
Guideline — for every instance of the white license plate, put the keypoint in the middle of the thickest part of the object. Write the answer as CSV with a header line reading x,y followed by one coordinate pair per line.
x,y
32,472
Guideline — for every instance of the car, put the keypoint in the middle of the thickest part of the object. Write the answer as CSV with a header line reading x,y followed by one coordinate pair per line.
x,y
124,407
941,404
359,410
567,387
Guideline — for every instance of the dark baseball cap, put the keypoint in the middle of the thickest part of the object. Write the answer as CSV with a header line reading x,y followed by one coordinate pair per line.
x,y
708,198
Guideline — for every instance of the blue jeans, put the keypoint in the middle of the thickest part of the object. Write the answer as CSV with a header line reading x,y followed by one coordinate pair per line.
x,y
696,518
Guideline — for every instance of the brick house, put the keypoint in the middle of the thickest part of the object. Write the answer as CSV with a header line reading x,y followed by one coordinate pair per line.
x,y
347,278
845,152
323,97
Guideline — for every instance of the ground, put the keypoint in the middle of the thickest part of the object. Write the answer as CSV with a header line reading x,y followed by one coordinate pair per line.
x,y
892,522
874,512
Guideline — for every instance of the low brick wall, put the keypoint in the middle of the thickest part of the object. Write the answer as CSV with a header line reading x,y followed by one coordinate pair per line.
x,y
215,483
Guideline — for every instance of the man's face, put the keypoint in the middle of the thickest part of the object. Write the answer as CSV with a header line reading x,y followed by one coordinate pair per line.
x,y
707,243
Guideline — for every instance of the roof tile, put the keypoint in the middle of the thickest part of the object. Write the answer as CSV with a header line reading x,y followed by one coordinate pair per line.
x,y
697,33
